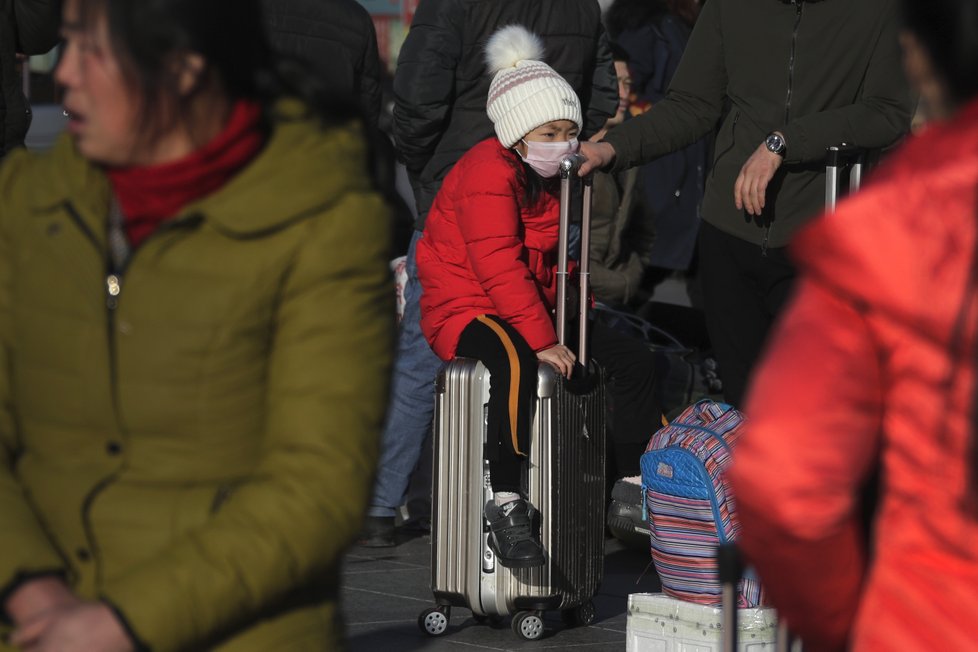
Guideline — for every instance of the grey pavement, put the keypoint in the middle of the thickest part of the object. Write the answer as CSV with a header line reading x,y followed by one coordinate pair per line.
x,y
386,589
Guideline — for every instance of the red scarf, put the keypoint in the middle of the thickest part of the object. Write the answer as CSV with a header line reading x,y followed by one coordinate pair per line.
x,y
150,195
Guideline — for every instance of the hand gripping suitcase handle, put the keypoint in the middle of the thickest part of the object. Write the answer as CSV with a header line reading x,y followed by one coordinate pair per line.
x,y
568,171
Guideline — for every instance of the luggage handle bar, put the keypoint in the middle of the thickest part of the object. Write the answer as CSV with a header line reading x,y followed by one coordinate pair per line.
x,y
836,158
730,568
568,170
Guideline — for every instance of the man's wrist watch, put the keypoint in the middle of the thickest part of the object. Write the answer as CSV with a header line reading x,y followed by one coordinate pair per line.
x,y
775,144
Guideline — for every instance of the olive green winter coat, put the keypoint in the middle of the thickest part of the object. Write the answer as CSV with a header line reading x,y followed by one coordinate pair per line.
x,y
198,448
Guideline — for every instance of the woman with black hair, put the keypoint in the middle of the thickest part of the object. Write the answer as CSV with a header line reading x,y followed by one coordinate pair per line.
x,y
195,338
873,369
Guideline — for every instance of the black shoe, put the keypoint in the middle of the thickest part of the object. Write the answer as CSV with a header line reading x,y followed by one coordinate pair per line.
x,y
511,535
625,515
377,532
420,525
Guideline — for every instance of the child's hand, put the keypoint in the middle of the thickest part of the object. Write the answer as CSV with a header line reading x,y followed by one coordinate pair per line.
x,y
560,358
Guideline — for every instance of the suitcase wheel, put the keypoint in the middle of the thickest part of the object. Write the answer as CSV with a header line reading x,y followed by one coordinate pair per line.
x,y
581,616
434,620
528,625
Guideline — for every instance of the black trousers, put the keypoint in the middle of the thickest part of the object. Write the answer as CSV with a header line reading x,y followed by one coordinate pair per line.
x,y
634,412
744,290
629,368
512,366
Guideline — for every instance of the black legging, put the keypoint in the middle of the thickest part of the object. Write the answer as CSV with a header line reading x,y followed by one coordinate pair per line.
x,y
635,414
512,368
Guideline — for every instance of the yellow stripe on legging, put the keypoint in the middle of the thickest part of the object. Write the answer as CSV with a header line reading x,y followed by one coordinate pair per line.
x,y
514,376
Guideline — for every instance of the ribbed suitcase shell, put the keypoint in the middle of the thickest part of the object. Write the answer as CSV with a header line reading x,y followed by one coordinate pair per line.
x,y
566,485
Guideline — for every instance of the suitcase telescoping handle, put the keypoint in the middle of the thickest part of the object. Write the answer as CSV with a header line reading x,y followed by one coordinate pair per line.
x,y
568,172
730,568
837,159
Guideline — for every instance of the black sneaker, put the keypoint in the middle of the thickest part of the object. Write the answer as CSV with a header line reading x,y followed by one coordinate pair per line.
x,y
625,515
511,536
377,532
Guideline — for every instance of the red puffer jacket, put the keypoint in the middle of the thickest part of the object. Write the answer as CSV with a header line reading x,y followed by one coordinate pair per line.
x,y
483,254
867,368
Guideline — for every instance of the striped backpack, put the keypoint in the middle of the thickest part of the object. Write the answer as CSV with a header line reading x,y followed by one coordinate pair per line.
x,y
688,502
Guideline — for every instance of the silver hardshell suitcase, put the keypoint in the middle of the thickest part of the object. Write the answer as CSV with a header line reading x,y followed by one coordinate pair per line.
x,y
565,482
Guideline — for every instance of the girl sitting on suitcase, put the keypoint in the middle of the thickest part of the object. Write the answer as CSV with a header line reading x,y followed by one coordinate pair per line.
x,y
487,266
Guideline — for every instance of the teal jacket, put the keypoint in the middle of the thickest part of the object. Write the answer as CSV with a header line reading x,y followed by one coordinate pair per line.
x,y
198,449
823,73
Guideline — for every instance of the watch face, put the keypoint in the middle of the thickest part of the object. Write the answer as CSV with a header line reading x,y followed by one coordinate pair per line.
x,y
775,143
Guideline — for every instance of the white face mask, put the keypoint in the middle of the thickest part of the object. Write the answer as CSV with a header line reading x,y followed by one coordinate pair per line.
x,y
545,157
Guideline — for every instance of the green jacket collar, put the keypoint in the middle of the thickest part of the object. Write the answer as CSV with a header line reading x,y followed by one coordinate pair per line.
x,y
299,166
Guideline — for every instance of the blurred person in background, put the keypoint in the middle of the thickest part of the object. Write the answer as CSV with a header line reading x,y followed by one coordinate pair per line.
x,y
873,369
336,38
26,27
336,42
654,34
195,342
622,233
440,90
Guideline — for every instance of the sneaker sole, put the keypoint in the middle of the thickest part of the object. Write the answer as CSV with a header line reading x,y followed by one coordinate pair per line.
x,y
516,563
377,542
626,531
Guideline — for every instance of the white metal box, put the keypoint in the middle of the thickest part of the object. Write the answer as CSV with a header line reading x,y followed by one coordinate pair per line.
x,y
659,623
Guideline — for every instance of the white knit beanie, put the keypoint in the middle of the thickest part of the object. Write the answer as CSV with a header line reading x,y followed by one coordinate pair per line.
x,y
525,92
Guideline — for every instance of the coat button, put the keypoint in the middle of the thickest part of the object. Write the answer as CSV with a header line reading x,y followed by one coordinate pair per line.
x,y
113,448
83,554
125,327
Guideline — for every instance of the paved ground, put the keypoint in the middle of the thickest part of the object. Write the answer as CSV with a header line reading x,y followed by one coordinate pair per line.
x,y
386,589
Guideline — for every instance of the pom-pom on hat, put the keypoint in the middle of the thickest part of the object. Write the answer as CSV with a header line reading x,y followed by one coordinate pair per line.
x,y
525,92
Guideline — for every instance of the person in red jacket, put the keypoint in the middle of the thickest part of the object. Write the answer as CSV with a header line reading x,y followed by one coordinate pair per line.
x,y
873,369
487,266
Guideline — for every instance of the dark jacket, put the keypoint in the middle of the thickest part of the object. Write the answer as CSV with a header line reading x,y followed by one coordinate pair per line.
x,y
27,27
672,185
821,72
622,236
441,83
337,38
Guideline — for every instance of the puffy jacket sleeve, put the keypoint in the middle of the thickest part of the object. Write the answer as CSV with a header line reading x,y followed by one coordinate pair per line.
x,y
290,522
814,410
603,98
692,106
368,74
489,221
37,23
879,117
424,82
25,549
